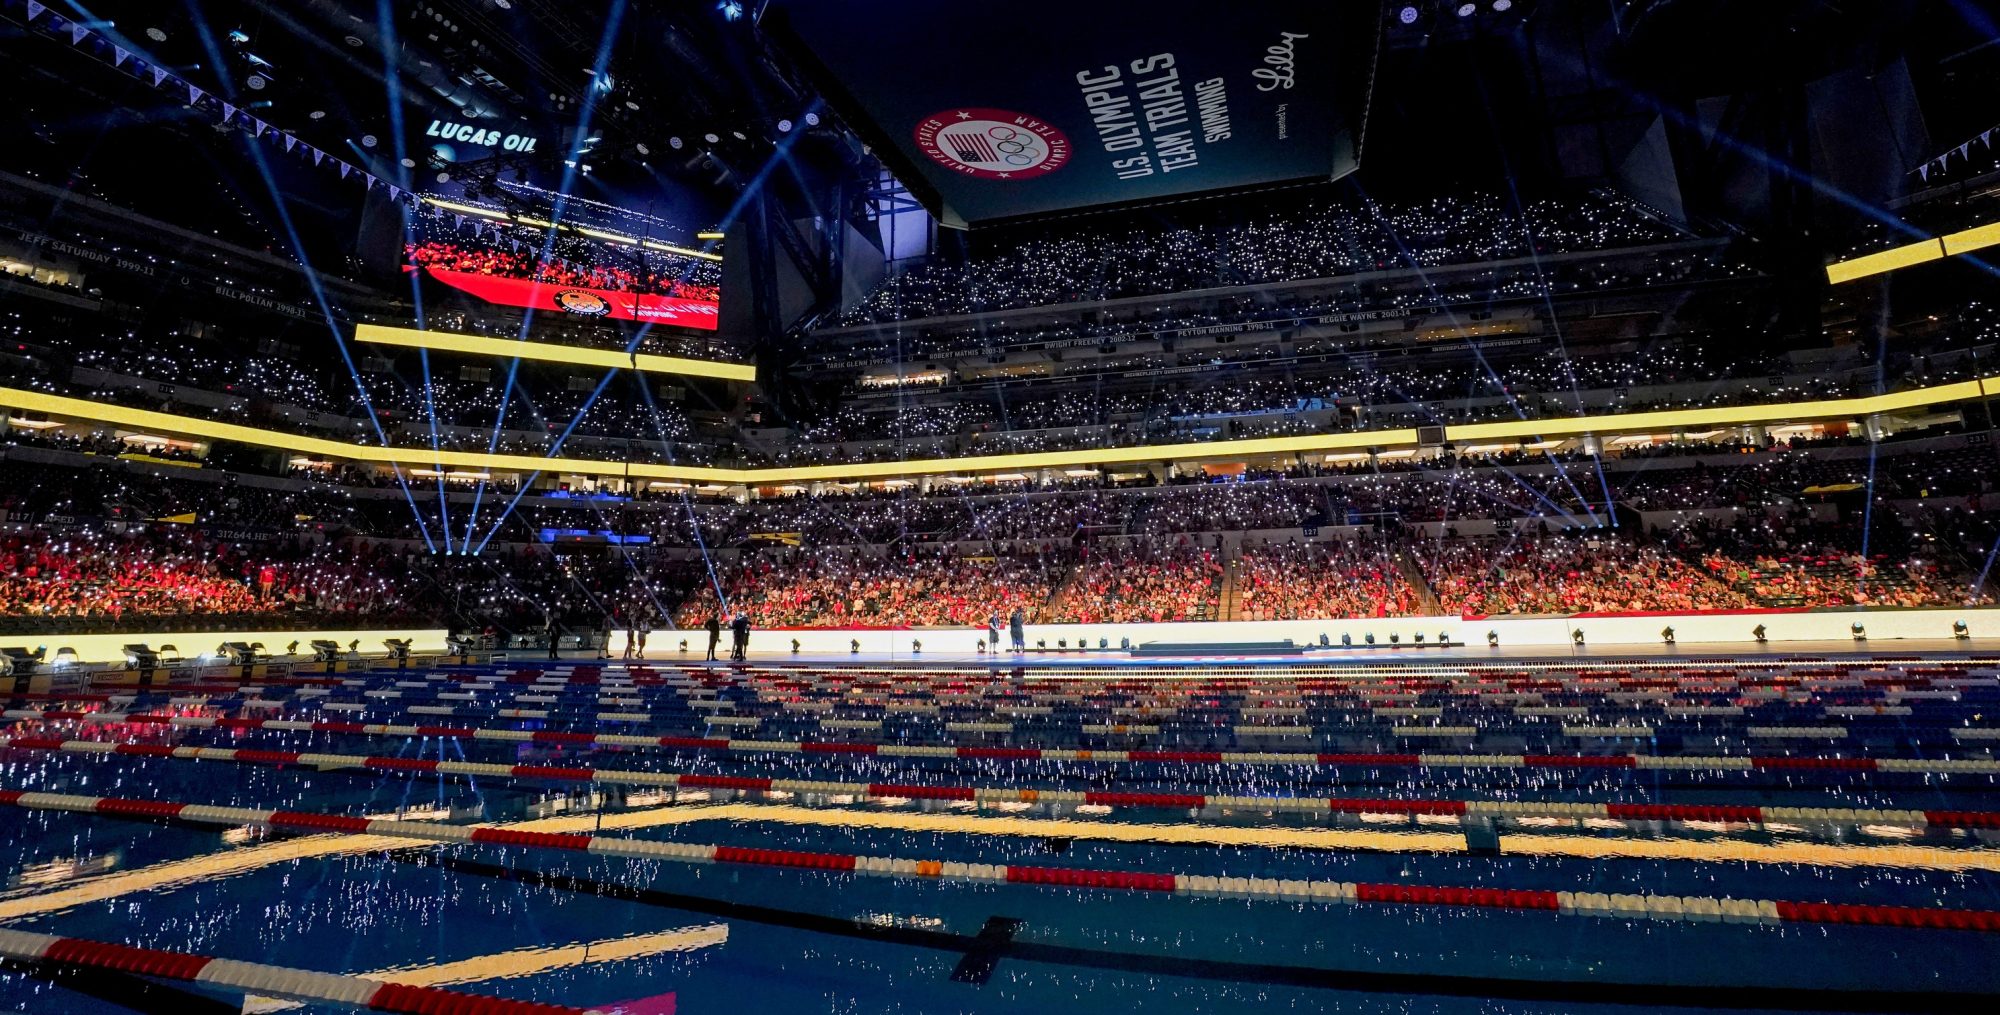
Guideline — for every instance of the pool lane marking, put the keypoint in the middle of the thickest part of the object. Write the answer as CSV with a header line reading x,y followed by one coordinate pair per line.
x,y
1181,964
532,960
1762,763
170,875
1623,813
262,980
1702,909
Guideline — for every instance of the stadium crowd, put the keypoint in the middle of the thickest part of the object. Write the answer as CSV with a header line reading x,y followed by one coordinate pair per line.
x,y
1318,242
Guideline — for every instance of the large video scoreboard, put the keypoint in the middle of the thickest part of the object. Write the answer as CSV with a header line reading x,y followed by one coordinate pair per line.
x,y
1030,108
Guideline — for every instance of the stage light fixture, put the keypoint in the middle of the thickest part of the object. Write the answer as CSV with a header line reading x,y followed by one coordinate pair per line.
x,y
1395,639
1502,6
1492,639
368,141
325,651
1860,633
739,135
710,138
854,647
1419,639
317,114
1759,634
675,143
812,119
1667,635
1324,642
1346,640
1467,10
1960,631
1444,638
1103,643
156,35
979,648
238,653
784,126
916,647
399,648
1368,637
730,9
1576,637
642,149
1408,14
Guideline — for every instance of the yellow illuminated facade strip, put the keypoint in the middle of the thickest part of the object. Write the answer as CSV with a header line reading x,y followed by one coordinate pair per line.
x,y
478,345
467,209
1969,240
598,234
670,248
1937,248
1884,261
1543,429
501,216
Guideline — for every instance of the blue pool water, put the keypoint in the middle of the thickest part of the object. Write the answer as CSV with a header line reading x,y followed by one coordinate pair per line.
x,y
563,927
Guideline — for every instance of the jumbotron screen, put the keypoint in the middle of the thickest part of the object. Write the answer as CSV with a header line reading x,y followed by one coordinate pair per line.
x,y
1030,108
573,276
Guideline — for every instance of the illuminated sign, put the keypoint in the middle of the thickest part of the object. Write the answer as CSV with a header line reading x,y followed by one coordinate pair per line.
x,y
582,301
987,115
465,133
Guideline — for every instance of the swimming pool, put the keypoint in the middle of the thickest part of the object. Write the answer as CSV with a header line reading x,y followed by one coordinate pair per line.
x,y
1798,835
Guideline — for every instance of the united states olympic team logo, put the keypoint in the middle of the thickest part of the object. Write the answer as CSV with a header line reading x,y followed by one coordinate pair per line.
x,y
993,144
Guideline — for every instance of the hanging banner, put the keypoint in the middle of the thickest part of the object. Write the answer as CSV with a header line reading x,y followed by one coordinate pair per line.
x,y
986,114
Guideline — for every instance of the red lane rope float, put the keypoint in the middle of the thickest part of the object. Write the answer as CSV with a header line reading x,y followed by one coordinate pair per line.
x,y
1631,813
265,980
1767,763
1619,906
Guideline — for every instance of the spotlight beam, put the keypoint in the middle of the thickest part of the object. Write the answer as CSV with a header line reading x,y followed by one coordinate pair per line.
x,y
393,93
585,110
305,262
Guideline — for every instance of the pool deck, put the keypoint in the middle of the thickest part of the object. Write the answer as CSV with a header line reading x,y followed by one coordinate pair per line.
x,y
1849,651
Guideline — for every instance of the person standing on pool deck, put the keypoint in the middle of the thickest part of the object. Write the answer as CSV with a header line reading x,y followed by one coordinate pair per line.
x,y
714,633
993,630
645,628
742,630
1017,628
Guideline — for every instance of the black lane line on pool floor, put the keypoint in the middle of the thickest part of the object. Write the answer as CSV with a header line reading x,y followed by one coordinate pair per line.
x,y
1651,996
124,989
988,948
